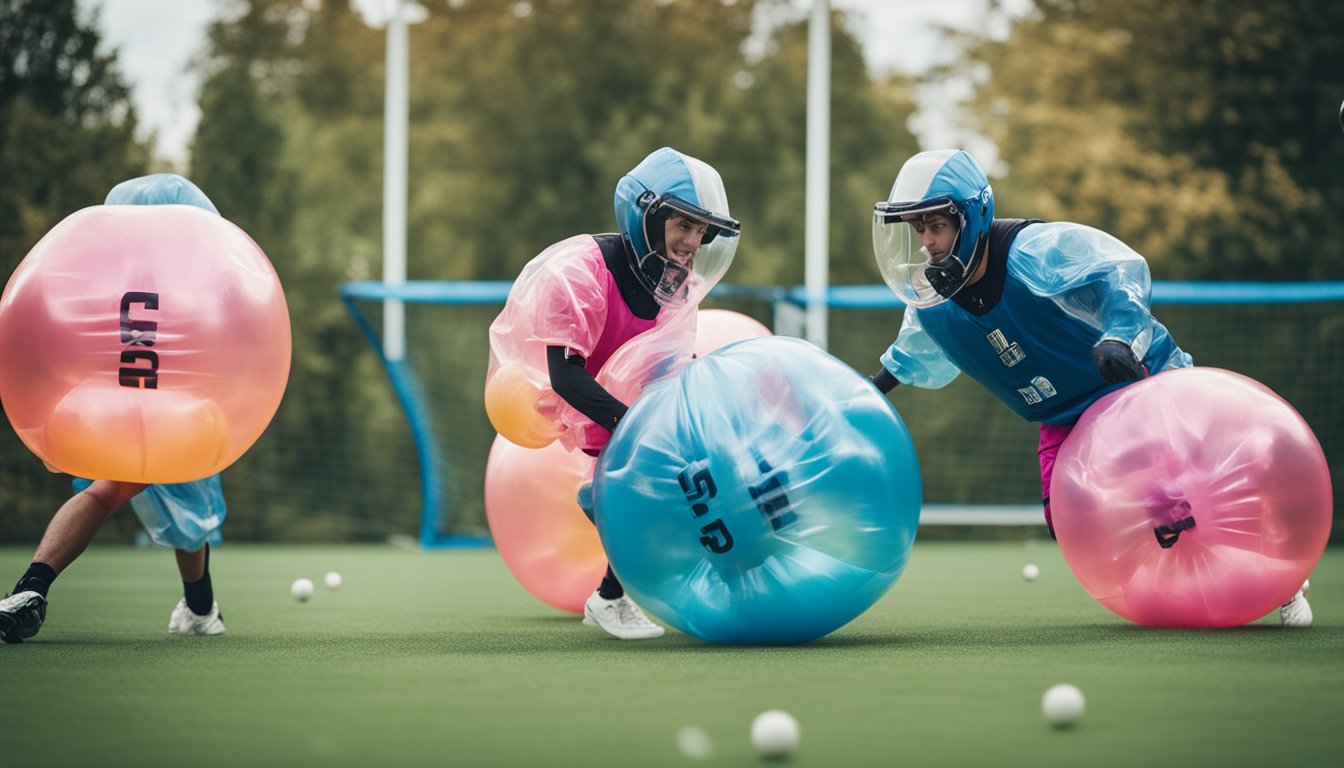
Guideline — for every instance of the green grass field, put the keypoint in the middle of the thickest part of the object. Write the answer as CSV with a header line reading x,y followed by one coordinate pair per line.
x,y
441,659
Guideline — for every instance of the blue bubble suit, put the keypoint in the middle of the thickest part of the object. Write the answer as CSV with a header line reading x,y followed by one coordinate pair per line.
x,y
768,494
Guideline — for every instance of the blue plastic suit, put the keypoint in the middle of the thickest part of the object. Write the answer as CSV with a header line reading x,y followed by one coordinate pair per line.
x,y
1068,287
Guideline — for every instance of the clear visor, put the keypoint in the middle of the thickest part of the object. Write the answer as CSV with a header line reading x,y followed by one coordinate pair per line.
x,y
674,282
901,256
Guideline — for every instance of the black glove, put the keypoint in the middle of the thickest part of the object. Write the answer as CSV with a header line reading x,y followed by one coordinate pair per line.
x,y
884,381
1116,362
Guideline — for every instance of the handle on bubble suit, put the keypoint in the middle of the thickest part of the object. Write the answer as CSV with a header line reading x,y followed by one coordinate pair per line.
x,y
1168,535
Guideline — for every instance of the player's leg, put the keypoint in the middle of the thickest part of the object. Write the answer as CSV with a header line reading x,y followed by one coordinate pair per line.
x,y
609,607
1052,436
67,536
196,613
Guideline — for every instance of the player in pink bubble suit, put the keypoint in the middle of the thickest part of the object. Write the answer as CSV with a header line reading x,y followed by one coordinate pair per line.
x,y
185,517
1048,316
593,318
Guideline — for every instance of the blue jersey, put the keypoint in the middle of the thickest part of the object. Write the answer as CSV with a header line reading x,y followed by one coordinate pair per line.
x,y
1067,288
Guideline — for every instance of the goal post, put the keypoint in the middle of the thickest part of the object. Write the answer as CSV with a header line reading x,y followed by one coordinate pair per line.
x,y
1285,335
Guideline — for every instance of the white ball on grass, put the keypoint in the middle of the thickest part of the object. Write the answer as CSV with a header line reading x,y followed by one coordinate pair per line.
x,y
694,742
1030,571
302,590
333,580
1062,705
774,733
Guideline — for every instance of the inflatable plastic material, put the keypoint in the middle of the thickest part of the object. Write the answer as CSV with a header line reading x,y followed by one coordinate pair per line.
x,y
143,343
513,403
546,542
564,297
767,494
1194,498
717,328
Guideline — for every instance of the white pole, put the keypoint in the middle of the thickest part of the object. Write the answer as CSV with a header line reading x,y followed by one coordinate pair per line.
x,y
395,117
818,169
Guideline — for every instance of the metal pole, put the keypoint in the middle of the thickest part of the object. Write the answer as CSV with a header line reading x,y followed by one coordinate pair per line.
x,y
818,169
395,118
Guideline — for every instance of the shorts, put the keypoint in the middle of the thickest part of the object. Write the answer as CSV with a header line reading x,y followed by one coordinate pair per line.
x,y
1052,436
184,516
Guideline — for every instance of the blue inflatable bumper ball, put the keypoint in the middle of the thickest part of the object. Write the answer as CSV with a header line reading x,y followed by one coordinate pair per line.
x,y
768,494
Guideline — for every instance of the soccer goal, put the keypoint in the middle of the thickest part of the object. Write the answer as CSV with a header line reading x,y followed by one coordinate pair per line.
x,y
977,459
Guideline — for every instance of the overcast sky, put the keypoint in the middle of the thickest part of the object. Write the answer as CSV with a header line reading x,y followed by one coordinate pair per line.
x,y
156,40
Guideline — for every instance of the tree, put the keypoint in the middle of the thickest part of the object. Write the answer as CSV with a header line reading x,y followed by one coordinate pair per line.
x,y
67,136
523,117
289,151
1201,133
67,124
766,151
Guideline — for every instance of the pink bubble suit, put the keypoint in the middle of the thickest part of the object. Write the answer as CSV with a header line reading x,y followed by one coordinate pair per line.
x,y
545,540
1193,498
568,297
717,328
145,344
565,296
542,535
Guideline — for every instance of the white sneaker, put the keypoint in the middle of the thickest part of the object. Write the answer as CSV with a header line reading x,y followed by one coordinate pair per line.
x,y
1296,612
620,618
21,616
184,622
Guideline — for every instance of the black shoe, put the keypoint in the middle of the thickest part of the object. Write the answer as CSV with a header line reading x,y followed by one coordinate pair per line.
x,y
21,616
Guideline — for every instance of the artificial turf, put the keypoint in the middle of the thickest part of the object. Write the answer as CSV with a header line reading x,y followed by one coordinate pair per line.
x,y
441,659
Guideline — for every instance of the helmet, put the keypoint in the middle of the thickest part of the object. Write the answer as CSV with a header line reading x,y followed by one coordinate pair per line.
x,y
666,184
947,182
159,189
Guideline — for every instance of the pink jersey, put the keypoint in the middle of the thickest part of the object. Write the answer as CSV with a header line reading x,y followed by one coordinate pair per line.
x,y
567,297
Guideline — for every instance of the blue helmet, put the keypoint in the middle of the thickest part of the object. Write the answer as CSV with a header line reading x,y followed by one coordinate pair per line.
x,y
159,189
947,182
666,184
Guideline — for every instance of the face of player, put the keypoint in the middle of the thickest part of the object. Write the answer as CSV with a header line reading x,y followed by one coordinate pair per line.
x,y
938,235
682,238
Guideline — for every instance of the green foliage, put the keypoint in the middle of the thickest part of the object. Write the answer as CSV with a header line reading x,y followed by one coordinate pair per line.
x,y
293,157
1204,134
520,126
66,121
67,136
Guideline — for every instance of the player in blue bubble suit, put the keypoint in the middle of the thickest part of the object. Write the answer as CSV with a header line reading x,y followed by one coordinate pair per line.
x,y
184,516
1048,316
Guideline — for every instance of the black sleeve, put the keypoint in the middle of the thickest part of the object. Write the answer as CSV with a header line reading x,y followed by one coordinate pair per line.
x,y
576,386
884,381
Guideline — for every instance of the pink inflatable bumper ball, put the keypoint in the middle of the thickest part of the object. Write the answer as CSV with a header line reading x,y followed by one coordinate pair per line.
x,y
547,543
717,328
143,343
1194,498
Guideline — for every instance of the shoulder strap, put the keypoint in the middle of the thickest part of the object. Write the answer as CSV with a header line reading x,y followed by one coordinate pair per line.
x,y
1002,232
639,300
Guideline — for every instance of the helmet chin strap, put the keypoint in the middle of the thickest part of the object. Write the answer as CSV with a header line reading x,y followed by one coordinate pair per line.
x,y
947,280
666,278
